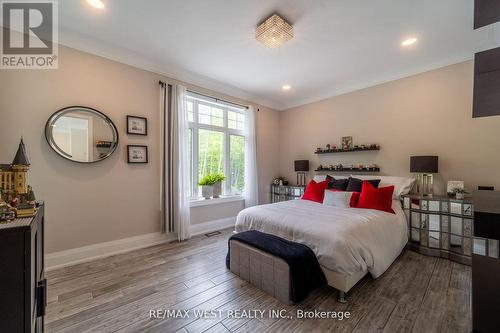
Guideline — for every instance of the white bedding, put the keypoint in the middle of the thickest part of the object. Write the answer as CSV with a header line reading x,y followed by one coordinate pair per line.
x,y
345,240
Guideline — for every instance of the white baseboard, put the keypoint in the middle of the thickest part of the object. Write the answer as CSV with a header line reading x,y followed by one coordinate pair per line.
x,y
91,252
205,227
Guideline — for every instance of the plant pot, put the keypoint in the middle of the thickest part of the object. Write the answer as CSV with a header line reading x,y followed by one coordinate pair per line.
x,y
460,196
207,191
217,189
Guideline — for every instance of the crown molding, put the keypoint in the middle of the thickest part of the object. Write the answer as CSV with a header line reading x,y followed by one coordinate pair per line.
x,y
360,85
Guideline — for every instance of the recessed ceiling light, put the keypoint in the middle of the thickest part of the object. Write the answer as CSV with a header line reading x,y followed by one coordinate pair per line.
x,y
409,41
286,87
99,4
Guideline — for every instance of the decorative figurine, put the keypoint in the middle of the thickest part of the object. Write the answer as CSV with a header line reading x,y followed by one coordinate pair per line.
x,y
18,171
280,181
30,196
347,142
327,146
14,202
362,147
356,147
318,150
6,212
335,147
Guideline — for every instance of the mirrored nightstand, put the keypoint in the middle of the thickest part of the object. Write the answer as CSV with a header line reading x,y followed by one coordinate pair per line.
x,y
440,226
286,192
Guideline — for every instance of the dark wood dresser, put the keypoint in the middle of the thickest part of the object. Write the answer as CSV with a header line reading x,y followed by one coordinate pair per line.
x,y
23,288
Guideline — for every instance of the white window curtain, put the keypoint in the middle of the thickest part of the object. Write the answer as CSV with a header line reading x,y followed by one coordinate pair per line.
x,y
176,211
251,191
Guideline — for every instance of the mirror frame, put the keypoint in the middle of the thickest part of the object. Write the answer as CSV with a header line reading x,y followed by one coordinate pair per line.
x,y
56,115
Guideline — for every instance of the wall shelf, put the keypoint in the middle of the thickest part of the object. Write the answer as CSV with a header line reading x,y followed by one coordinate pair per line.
x,y
371,170
335,151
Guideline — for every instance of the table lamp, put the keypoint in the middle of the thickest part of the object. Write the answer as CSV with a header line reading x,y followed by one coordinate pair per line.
x,y
424,167
301,167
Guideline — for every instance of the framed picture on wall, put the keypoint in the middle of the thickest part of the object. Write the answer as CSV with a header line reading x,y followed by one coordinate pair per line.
x,y
137,154
137,125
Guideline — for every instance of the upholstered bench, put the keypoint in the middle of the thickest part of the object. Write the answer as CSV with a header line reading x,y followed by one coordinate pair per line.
x,y
265,271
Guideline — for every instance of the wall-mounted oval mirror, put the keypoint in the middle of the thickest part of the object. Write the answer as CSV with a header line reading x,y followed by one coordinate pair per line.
x,y
81,134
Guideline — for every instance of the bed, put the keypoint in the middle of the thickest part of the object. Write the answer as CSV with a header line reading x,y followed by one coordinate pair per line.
x,y
348,242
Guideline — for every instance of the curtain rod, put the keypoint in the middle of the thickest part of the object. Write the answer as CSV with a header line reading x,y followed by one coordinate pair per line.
x,y
218,99
163,83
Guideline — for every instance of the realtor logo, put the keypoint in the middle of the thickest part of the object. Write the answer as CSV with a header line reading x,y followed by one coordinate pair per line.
x,y
29,34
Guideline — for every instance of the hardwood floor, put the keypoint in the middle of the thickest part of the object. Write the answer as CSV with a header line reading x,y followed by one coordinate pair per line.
x,y
115,294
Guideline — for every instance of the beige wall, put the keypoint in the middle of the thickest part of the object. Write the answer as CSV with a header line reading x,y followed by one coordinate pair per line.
x,y
109,200
426,114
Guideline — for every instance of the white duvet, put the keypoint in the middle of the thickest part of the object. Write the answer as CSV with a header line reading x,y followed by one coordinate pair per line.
x,y
345,240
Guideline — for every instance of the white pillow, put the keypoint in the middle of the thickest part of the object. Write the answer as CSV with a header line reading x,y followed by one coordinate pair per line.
x,y
320,178
337,199
402,185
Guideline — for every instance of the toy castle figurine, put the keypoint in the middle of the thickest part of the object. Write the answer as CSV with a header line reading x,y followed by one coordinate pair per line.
x,y
14,176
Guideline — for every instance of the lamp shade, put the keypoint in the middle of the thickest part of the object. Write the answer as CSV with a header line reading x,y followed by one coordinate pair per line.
x,y
302,165
424,164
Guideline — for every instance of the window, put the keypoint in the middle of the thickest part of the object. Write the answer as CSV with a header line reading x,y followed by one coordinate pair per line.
x,y
216,143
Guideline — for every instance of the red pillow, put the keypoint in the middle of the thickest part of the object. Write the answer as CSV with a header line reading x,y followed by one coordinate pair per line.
x,y
354,198
315,191
376,198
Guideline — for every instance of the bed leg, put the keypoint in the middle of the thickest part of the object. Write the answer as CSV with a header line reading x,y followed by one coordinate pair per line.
x,y
341,298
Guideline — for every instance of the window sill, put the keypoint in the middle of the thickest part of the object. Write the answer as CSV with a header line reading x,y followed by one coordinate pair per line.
x,y
216,201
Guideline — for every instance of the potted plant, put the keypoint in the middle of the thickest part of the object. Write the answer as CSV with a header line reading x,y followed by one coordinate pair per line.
x,y
217,179
459,193
211,185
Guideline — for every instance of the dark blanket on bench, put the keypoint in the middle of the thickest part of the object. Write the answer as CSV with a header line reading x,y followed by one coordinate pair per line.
x,y
306,274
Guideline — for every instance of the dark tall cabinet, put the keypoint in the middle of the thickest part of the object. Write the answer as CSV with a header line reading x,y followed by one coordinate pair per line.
x,y
486,64
486,12
486,262
23,288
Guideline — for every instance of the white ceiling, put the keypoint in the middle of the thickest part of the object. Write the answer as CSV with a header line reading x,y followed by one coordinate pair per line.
x,y
339,45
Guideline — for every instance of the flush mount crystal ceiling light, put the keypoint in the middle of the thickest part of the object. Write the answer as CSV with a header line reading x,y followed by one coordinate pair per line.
x,y
274,31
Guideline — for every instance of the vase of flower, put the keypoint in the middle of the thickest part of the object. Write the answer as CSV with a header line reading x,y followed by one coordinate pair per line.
x,y
459,193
